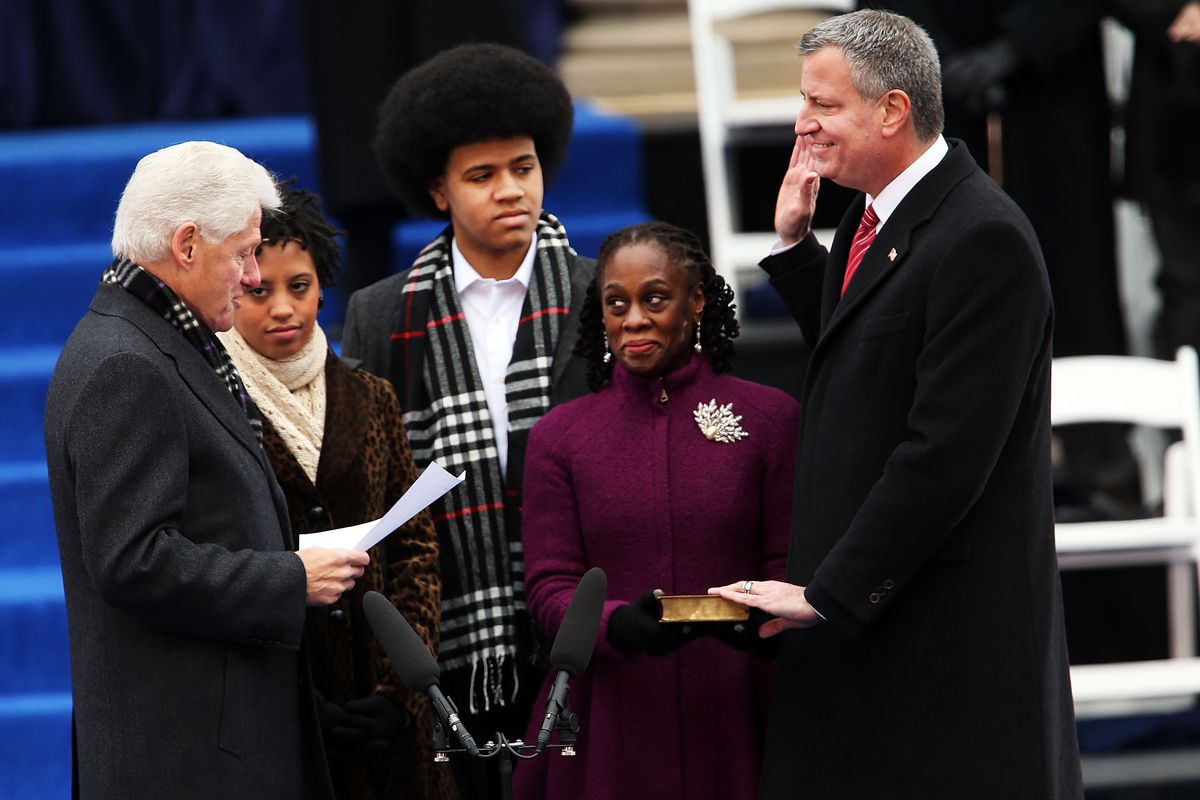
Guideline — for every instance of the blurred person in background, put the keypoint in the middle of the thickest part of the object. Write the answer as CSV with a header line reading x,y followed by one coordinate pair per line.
x,y
1162,156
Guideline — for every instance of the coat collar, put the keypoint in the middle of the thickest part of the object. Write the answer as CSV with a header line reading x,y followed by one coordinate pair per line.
x,y
888,252
650,390
345,430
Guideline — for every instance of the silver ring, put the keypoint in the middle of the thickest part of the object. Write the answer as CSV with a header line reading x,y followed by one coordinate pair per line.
x,y
746,586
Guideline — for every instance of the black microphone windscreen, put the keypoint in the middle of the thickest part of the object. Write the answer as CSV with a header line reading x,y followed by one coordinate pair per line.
x,y
576,637
409,656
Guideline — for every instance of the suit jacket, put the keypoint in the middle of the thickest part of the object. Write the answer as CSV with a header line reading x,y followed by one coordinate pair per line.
x,y
364,467
923,524
185,604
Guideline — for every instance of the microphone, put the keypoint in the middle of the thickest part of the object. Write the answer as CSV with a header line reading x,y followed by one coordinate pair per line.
x,y
413,662
572,649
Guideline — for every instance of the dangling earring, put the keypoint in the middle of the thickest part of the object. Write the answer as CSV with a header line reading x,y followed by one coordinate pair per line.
x,y
607,352
697,346
320,301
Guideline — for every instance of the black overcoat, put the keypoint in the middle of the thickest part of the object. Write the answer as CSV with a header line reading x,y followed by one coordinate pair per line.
x,y
923,524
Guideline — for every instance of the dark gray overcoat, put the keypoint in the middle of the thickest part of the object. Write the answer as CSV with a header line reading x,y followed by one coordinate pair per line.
x,y
185,602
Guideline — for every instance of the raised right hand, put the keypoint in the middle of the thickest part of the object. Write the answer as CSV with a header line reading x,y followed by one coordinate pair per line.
x,y
797,195
329,573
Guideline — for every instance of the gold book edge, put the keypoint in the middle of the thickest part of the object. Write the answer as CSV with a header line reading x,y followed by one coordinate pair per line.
x,y
701,608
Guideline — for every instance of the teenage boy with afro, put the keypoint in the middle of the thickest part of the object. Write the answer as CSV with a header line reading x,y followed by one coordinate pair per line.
x,y
477,337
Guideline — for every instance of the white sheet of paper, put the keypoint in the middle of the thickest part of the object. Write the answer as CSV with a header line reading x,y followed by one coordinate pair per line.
x,y
432,484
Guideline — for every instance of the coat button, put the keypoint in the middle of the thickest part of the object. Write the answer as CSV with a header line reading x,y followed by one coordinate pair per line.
x,y
317,515
887,584
337,615
874,598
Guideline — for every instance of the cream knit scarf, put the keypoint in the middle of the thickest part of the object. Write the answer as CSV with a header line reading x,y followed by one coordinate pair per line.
x,y
289,392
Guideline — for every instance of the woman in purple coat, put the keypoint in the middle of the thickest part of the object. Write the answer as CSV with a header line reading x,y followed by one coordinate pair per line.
x,y
671,475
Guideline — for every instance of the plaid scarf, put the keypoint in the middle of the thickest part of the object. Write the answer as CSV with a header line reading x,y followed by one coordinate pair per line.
x,y
484,619
147,287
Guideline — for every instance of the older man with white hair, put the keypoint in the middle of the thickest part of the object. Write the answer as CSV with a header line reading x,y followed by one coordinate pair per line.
x,y
185,593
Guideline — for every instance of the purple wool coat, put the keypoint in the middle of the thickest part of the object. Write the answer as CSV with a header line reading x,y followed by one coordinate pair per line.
x,y
623,481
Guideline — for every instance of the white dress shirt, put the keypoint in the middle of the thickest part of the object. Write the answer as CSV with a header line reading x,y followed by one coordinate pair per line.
x,y
891,195
493,311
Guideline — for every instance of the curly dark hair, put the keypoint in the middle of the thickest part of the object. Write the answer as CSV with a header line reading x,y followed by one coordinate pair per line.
x,y
468,94
300,219
718,321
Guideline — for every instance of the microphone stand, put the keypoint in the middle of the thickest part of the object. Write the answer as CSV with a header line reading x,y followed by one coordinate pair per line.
x,y
505,750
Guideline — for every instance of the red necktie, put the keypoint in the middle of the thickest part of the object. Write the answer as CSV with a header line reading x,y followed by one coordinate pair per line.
x,y
862,240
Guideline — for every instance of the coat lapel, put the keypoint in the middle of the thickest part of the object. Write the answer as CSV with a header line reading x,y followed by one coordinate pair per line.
x,y
408,355
342,425
569,332
839,254
888,253
197,375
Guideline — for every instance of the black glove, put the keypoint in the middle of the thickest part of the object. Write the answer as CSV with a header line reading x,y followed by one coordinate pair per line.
x,y
744,635
360,730
975,78
634,628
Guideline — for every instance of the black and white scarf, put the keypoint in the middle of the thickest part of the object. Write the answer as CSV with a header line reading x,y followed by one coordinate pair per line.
x,y
149,288
484,625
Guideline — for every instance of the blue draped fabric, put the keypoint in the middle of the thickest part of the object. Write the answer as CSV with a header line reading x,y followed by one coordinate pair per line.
x,y
73,62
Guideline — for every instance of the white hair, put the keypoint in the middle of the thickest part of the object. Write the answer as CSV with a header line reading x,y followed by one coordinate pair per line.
x,y
210,184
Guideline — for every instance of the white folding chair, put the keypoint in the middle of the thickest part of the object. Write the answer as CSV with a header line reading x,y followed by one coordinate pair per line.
x,y
1160,394
723,113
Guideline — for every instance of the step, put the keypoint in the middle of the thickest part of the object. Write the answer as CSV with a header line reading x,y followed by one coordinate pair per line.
x,y
74,270
35,746
639,62
24,379
71,179
34,654
71,270
602,172
27,536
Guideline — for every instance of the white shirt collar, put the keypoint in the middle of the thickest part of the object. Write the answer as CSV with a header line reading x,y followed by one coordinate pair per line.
x,y
465,275
902,184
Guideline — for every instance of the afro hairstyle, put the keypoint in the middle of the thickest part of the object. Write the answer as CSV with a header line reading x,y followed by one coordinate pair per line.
x,y
468,94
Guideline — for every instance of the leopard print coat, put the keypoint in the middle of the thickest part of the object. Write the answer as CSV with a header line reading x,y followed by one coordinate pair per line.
x,y
365,465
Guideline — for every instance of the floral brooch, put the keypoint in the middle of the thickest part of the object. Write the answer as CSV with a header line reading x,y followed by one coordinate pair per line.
x,y
719,423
